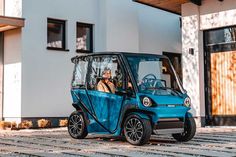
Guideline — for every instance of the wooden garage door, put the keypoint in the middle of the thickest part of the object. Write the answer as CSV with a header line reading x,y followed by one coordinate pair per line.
x,y
223,83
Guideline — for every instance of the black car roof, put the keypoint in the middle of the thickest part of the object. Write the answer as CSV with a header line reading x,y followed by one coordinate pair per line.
x,y
118,53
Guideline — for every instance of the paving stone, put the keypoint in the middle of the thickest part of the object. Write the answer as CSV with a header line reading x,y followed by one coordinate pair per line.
x,y
219,141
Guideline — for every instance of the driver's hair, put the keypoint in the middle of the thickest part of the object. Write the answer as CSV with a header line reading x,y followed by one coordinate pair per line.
x,y
105,70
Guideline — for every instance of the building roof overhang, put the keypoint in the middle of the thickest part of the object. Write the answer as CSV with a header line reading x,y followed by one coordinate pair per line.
x,y
173,6
8,23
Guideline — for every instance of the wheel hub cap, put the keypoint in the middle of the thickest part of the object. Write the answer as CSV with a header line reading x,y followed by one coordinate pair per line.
x,y
134,129
75,125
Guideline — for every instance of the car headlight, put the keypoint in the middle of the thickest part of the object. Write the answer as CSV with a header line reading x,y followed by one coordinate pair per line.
x,y
147,102
187,102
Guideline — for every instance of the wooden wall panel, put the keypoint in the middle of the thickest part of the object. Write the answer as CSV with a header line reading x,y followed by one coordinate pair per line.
x,y
223,82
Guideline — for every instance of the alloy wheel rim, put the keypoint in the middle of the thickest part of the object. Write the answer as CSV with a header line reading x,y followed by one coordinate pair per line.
x,y
134,129
75,125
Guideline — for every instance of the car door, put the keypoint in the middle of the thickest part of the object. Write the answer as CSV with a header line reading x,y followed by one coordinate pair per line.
x,y
105,101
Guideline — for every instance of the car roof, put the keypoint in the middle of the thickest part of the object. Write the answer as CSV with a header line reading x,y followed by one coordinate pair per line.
x,y
118,53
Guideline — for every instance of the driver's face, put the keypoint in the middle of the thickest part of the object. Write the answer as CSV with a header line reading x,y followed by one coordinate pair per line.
x,y
106,74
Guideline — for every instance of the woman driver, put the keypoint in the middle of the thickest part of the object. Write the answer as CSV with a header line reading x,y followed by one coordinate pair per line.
x,y
105,85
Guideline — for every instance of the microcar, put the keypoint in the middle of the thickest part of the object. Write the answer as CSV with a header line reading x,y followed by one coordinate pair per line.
x,y
133,95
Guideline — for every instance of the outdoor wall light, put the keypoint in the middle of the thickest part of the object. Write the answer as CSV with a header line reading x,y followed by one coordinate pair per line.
x,y
191,51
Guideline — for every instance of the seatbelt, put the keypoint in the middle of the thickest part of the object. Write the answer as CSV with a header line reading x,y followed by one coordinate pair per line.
x,y
107,87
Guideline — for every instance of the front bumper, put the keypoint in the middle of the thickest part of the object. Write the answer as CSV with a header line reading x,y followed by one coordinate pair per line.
x,y
169,123
169,126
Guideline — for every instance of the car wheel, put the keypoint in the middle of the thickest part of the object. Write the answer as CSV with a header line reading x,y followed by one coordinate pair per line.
x,y
137,131
76,126
189,131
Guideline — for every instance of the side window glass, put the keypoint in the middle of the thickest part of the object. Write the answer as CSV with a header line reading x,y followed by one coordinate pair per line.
x,y
79,76
106,74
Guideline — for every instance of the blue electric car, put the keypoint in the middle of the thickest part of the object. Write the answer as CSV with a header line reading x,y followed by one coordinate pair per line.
x,y
128,94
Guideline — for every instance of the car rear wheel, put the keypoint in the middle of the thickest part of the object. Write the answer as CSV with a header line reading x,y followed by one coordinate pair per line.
x,y
189,131
137,131
76,126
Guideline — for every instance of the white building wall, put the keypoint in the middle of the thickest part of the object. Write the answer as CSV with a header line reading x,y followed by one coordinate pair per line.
x,y
13,8
119,26
12,75
158,30
46,74
210,15
122,26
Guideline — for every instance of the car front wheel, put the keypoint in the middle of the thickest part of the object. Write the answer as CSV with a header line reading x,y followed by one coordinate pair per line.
x,y
137,131
76,126
189,131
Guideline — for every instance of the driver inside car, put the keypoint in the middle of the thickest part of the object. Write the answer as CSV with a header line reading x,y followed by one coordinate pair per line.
x,y
105,85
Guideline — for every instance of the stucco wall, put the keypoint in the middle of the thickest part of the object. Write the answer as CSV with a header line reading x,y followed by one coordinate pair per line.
x,y
46,74
158,30
13,8
12,75
122,26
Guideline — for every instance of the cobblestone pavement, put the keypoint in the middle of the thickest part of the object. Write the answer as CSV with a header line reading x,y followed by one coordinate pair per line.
x,y
57,142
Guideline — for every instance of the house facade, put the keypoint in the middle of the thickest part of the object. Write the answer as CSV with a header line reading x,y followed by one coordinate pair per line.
x,y
38,39
208,56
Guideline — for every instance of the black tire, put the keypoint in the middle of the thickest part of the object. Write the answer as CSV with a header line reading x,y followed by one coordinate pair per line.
x,y
77,126
137,131
189,131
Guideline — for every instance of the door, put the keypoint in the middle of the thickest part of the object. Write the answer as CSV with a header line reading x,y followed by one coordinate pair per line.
x,y
220,70
1,73
105,77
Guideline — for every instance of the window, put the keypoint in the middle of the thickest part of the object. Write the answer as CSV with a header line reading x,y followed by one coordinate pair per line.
x,y
79,77
84,38
160,80
56,34
106,75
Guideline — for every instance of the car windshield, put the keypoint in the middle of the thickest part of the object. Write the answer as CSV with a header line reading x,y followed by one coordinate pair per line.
x,y
154,75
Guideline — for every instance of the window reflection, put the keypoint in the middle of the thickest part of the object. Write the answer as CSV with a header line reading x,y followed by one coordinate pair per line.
x,y
84,37
56,34
221,40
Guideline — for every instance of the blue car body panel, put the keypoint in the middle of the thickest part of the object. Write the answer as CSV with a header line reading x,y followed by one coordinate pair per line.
x,y
108,108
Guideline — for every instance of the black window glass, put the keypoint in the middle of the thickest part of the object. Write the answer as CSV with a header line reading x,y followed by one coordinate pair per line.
x,y
56,34
220,40
84,37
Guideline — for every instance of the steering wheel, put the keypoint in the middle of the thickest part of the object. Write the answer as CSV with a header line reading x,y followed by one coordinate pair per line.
x,y
149,80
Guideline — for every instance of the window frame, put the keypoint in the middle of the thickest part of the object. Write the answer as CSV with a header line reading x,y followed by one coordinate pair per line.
x,y
90,26
58,21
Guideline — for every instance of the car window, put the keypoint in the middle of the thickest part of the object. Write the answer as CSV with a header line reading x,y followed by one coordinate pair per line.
x,y
105,74
79,75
